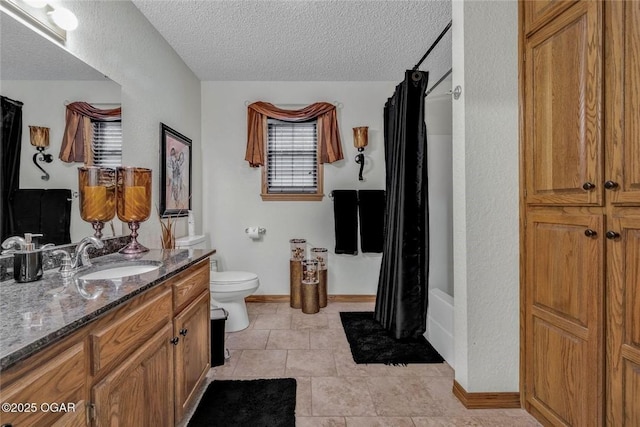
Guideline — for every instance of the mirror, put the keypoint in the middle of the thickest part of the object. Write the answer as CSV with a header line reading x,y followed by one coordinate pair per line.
x,y
45,77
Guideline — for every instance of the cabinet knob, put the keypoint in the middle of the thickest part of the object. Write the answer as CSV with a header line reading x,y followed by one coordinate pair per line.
x,y
610,185
588,186
590,233
184,331
174,340
612,235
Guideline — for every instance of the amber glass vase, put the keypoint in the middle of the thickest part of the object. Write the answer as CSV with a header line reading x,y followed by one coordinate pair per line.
x,y
133,192
97,188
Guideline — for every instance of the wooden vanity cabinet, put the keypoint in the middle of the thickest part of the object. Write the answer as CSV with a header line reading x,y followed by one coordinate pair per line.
x,y
139,391
140,364
191,323
55,376
131,362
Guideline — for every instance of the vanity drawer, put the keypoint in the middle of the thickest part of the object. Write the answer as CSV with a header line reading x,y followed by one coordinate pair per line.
x,y
190,284
130,327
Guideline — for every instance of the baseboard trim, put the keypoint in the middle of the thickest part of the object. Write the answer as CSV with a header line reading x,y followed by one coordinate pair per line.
x,y
267,298
330,298
488,400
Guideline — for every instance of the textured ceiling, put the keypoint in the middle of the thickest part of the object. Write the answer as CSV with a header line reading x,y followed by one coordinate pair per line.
x,y
26,55
331,40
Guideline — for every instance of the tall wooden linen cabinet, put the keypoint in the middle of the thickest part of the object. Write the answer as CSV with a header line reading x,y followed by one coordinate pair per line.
x,y
580,211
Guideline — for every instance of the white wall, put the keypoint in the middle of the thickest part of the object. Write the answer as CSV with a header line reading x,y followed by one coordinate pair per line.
x,y
232,194
485,179
232,188
115,38
44,105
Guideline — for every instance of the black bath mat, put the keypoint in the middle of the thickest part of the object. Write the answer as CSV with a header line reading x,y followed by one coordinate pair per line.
x,y
256,403
371,343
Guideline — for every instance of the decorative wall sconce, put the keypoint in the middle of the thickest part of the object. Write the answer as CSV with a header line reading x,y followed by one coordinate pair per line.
x,y
40,139
360,140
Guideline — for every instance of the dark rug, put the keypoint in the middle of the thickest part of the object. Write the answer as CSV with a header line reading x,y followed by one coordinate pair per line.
x,y
371,343
255,403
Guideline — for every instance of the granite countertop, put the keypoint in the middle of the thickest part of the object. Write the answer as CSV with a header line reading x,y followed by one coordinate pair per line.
x,y
37,314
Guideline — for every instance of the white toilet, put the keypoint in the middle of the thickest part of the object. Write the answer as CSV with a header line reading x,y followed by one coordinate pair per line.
x,y
228,288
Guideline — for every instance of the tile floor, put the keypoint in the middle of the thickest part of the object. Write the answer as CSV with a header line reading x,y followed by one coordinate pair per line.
x,y
335,391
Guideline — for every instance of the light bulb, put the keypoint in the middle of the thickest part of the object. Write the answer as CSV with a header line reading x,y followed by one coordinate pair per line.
x,y
64,19
38,4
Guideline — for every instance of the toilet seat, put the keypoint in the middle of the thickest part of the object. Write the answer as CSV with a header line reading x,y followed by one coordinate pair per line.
x,y
231,277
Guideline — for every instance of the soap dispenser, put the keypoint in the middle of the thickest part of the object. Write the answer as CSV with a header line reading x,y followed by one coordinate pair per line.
x,y
27,260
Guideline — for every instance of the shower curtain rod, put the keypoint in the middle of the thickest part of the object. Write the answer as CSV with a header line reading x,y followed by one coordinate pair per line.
x,y
438,82
433,45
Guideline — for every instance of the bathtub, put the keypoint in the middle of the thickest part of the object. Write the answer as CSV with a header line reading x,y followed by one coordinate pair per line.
x,y
440,324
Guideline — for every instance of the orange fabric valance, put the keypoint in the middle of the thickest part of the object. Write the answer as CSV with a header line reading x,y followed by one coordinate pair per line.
x,y
329,134
76,141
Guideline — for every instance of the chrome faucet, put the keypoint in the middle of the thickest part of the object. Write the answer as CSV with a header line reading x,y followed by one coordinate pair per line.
x,y
81,257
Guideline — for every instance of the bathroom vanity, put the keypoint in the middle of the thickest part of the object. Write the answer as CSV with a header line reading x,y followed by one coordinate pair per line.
x,y
132,351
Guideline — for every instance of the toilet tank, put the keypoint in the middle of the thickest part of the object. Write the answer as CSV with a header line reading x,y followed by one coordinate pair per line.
x,y
196,242
192,242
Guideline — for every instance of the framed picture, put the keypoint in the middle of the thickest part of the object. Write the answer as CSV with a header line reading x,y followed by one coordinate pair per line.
x,y
175,172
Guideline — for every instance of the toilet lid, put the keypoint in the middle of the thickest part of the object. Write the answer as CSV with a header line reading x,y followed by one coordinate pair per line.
x,y
230,277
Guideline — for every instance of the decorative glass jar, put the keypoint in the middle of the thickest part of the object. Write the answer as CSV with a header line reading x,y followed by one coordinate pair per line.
x,y
298,249
310,271
322,256
97,189
133,192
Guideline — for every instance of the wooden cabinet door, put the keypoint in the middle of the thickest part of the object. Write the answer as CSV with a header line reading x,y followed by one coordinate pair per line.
x,y
563,316
139,392
562,118
623,323
192,354
623,102
539,12
58,380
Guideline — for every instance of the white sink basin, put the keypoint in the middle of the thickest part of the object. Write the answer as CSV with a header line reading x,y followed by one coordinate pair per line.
x,y
119,272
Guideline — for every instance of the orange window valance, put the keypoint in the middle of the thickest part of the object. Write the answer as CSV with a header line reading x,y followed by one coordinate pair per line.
x,y
76,141
329,134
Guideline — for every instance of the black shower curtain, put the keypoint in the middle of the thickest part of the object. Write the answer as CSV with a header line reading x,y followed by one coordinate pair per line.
x,y
401,303
10,143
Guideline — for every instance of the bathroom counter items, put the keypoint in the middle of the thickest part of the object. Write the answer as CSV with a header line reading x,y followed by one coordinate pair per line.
x,y
37,314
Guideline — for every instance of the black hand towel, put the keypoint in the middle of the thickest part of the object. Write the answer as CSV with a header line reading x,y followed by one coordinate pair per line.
x,y
25,211
42,211
345,214
55,219
371,209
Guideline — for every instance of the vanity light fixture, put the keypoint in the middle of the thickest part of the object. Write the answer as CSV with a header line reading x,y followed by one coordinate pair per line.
x,y
64,18
49,20
38,4
360,140
40,139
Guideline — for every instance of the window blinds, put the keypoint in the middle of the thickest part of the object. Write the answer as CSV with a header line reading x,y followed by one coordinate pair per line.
x,y
292,157
107,144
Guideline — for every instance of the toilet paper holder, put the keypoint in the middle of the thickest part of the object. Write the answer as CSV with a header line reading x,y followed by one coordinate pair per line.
x,y
260,230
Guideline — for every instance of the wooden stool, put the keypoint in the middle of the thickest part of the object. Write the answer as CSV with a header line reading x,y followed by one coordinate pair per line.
x,y
310,303
295,278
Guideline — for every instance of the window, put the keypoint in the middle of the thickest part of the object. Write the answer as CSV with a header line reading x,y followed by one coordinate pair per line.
x,y
106,145
292,171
